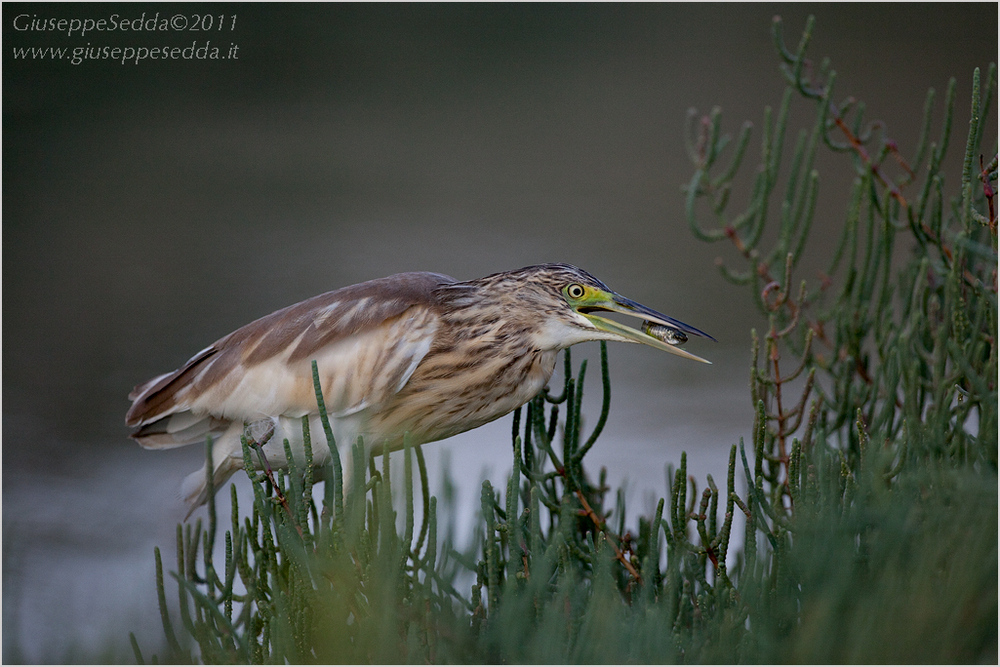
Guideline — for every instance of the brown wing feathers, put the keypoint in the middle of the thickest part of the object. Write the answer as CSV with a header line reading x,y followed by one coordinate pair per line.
x,y
315,323
149,398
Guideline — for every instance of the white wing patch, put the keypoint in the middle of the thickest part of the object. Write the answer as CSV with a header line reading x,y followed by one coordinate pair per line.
x,y
356,373
324,313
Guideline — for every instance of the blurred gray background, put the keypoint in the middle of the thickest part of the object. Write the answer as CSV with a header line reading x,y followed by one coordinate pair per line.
x,y
150,209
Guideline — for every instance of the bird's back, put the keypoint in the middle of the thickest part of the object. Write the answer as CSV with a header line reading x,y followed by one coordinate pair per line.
x,y
264,368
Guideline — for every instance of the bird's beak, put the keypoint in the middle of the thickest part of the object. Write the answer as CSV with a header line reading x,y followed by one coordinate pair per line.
x,y
610,301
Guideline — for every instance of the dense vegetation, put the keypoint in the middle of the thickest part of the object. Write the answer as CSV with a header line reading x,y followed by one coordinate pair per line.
x,y
861,510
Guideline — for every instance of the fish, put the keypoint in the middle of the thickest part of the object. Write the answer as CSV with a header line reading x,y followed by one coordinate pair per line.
x,y
668,335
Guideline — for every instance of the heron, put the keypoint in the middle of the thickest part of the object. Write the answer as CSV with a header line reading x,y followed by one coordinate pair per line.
x,y
417,355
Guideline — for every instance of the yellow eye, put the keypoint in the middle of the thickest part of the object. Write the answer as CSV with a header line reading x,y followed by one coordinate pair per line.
x,y
575,291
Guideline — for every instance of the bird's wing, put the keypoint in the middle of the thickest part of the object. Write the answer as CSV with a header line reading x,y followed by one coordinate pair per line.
x,y
367,340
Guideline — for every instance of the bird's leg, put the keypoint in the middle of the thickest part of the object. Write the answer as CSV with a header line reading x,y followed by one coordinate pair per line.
x,y
265,427
257,442
259,431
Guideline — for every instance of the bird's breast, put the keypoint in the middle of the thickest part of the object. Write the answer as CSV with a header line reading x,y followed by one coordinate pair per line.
x,y
452,391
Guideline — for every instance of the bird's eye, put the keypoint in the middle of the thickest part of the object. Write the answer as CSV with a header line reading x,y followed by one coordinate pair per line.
x,y
575,291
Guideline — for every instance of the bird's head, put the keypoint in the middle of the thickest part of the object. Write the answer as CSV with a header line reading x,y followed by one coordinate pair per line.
x,y
566,305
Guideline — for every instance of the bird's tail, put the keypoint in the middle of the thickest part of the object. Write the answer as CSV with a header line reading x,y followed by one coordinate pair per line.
x,y
194,488
227,457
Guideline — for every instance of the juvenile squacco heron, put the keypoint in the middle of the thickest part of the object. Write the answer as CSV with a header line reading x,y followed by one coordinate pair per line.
x,y
415,353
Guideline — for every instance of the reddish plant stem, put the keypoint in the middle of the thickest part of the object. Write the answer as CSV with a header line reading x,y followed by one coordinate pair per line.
x,y
600,525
